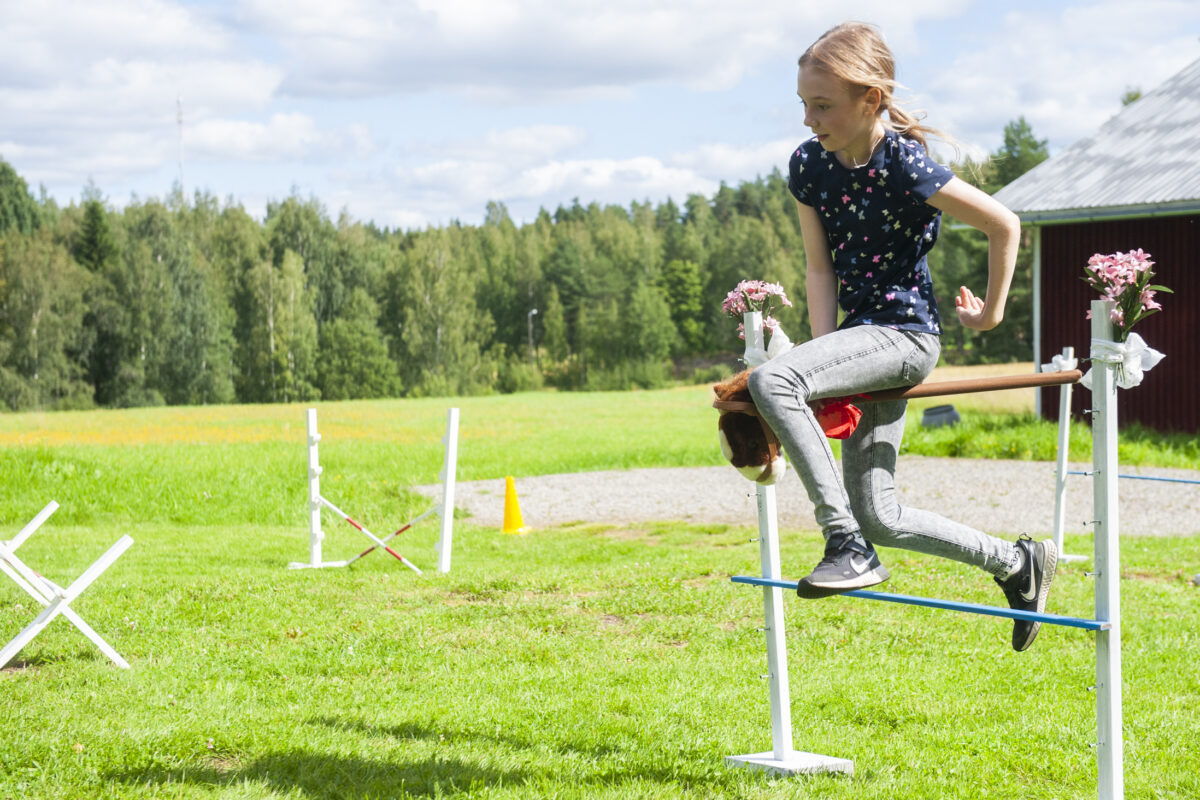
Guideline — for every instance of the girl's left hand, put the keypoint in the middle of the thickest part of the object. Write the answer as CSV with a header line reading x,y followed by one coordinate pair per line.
x,y
970,310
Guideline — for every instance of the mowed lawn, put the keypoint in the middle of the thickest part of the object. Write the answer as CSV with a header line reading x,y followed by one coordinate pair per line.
x,y
577,662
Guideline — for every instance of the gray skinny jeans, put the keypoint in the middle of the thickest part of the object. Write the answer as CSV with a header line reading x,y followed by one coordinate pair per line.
x,y
856,360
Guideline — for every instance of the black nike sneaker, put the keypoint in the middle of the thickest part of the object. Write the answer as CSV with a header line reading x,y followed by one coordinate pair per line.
x,y
848,564
1027,588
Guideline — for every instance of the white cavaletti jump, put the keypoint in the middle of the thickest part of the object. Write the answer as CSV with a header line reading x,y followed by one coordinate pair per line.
x,y
55,598
316,501
1106,625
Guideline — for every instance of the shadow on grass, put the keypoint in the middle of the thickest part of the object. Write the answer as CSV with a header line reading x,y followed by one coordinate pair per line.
x,y
40,660
323,776
18,664
412,731
331,777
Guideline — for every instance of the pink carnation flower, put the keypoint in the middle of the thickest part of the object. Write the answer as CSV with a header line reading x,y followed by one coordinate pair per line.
x,y
1124,280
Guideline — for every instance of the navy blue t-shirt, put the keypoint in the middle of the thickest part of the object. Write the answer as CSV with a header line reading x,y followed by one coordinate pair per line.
x,y
879,227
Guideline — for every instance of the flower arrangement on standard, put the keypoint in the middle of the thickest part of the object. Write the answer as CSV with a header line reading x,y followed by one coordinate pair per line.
x,y
1124,278
755,296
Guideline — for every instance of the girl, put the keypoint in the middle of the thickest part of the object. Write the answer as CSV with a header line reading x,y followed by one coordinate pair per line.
x,y
870,199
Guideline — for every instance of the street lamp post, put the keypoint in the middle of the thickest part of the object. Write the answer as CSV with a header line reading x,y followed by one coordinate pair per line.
x,y
529,319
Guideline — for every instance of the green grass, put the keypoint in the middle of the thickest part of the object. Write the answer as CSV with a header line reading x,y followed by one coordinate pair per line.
x,y
577,662
246,464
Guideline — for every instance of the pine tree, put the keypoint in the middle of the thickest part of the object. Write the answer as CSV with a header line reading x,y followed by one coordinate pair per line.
x,y
18,209
1021,152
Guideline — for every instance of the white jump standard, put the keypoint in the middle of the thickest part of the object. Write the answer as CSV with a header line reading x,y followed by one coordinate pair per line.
x,y
781,759
316,501
1106,625
1065,361
55,598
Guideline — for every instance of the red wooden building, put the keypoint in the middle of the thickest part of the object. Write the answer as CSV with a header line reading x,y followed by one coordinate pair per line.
x,y
1134,184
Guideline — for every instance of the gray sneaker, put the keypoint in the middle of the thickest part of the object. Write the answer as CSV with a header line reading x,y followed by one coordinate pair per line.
x,y
1027,588
847,565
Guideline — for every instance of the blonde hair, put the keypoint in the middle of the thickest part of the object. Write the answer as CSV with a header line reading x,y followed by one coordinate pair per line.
x,y
856,53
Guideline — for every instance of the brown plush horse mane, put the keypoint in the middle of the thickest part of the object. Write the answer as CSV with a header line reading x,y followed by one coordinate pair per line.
x,y
751,441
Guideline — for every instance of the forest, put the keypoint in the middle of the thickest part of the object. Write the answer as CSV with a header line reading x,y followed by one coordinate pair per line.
x,y
192,301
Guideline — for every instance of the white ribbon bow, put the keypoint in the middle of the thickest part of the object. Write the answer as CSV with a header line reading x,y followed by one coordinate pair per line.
x,y
1060,363
780,344
1132,358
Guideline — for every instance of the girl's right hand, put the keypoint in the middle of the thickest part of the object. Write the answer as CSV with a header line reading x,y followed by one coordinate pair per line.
x,y
971,311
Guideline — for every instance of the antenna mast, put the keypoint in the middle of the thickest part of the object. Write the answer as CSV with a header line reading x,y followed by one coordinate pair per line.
x,y
179,117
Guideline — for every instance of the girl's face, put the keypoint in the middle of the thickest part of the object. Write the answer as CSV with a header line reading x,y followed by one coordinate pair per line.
x,y
842,120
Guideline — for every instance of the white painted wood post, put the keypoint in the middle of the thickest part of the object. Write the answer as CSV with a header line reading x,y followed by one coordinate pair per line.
x,y
33,525
1064,447
315,535
449,469
1035,233
781,759
1062,461
1110,742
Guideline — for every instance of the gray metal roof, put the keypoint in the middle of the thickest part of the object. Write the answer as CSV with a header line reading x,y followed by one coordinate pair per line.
x,y
1145,161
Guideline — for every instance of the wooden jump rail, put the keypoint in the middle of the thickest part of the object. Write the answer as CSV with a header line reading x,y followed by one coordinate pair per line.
x,y
973,385
940,389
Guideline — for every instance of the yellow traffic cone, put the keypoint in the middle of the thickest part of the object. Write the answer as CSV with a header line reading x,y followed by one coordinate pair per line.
x,y
512,509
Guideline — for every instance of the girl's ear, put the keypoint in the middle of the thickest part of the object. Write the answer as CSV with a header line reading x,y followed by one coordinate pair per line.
x,y
873,99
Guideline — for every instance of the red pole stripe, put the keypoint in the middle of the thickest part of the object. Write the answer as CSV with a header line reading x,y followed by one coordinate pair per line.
x,y
391,536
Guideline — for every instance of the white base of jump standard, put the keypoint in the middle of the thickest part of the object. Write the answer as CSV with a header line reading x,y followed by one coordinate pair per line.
x,y
793,763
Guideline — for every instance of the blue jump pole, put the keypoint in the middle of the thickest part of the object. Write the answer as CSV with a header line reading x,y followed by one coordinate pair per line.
x,y
1140,477
946,605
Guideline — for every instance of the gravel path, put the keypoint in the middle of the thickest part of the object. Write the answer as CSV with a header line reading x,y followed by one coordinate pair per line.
x,y
1000,497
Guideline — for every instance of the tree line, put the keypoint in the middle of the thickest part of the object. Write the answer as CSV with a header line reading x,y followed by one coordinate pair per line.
x,y
190,301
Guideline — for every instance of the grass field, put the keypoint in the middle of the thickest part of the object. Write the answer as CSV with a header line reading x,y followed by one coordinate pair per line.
x,y
575,662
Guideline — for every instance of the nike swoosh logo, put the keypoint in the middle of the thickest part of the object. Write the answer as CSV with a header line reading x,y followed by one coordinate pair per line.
x,y
1029,594
859,565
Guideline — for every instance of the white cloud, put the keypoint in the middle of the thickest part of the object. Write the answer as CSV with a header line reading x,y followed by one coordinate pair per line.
x,y
605,180
522,49
350,100
1064,72
81,30
542,167
535,141
511,146
282,137
723,160
91,88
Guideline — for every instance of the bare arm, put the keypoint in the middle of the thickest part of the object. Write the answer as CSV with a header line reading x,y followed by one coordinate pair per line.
x,y
820,283
981,211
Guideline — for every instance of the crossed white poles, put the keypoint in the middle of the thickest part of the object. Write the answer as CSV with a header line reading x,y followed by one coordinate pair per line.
x,y
55,598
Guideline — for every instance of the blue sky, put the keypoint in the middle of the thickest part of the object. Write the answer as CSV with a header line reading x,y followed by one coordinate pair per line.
x,y
416,112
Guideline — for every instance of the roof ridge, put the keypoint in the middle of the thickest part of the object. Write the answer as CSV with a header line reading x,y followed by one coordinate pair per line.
x,y
1120,176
